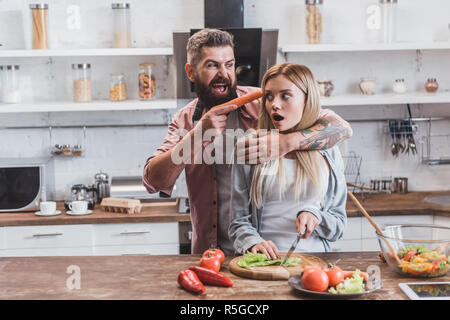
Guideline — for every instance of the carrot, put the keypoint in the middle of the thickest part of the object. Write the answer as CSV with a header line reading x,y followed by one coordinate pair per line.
x,y
349,274
240,101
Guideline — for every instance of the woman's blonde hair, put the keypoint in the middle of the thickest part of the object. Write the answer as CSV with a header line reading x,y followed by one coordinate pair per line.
x,y
309,164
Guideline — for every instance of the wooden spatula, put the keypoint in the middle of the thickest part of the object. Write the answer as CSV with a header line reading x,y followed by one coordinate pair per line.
x,y
361,208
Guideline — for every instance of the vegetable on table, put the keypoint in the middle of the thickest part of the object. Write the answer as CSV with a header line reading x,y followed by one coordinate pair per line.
x,y
215,252
349,274
353,284
335,274
210,262
315,279
189,280
208,276
259,260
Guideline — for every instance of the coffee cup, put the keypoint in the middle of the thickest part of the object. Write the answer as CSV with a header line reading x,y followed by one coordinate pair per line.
x,y
78,206
47,207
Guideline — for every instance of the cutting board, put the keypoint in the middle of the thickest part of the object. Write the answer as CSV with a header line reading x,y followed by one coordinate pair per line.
x,y
275,272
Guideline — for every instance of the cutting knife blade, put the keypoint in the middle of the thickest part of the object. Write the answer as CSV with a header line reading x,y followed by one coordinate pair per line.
x,y
291,249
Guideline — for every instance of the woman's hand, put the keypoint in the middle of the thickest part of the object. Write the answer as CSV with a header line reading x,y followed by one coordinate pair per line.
x,y
306,223
268,248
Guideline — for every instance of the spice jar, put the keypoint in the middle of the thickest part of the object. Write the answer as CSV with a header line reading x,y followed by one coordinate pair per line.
x,y
117,88
313,20
431,85
10,80
399,86
57,150
39,14
388,20
121,18
77,150
147,82
66,150
81,82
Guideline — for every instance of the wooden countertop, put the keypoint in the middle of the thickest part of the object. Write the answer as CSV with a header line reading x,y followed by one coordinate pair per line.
x,y
376,205
151,212
412,203
155,277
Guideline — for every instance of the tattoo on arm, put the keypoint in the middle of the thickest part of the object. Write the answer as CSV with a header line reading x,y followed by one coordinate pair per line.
x,y
326,133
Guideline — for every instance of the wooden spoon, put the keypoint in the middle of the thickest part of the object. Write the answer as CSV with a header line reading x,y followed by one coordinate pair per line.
x,y
361,208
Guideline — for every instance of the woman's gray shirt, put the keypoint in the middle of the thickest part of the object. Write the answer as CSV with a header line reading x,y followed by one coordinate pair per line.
x,y
245,218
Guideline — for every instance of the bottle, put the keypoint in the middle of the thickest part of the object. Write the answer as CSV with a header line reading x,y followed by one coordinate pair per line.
x,y
81,82
10,80
431,85
121,18
399,86
147,82
389,20
314,20
117,88
39,14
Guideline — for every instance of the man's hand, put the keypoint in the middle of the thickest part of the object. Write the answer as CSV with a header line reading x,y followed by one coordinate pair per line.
x,y
214,119
262,146
268,248
306,223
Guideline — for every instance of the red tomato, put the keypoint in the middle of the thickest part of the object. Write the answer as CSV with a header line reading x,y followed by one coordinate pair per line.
x,y
409,255
210,262
335,275
315,280
215,252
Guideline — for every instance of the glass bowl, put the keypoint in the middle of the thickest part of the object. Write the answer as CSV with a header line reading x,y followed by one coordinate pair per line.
x,y
428,247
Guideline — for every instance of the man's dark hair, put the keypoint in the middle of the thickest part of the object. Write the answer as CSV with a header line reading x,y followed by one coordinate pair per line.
x,y
206,38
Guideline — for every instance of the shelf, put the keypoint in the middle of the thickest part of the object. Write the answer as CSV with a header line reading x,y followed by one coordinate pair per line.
x,y
100,105
400,46
386,98
86,52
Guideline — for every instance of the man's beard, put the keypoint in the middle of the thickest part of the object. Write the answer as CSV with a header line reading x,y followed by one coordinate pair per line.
x,y
207,96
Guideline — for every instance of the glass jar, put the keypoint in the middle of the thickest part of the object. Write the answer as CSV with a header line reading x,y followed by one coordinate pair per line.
x,y
388,20
66,150
10,84
147,82
314,20
39,14
81,82
121,18
399,86
117,88
77,150
431,85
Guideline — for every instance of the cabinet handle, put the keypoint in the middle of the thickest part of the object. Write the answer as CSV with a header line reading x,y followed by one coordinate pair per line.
x,y
134,232
47,234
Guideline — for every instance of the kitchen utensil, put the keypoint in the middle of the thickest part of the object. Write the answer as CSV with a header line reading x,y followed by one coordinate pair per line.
x,y
430,237
296,283
42,214
411,142
364,212
275,272
399,131
71,213
78,206
291,249
394,148
79,192
400,185
129,206
47,207
102,188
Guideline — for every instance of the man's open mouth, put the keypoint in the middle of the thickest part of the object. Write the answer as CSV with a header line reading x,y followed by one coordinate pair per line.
x,y
220,88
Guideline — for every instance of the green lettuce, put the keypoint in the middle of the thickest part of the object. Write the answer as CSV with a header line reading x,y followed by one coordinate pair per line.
x,y
259,260
355,284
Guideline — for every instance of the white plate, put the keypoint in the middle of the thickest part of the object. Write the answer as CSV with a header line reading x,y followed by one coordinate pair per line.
x,y
79,213
39,213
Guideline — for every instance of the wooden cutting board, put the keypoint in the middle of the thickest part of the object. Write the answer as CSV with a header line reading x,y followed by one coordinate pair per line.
x,y
275,272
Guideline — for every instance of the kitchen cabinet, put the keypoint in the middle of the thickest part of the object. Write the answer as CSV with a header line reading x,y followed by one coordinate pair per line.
x,y
90,239
360,235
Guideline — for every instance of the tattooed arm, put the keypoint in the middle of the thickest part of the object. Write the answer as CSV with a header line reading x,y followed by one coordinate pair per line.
x,y
328,131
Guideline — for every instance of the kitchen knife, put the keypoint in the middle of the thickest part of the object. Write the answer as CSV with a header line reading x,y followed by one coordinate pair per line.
x,y
294,245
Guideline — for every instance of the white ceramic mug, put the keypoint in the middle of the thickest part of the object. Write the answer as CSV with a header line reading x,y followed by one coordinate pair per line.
x,y
47,207
78,206
368,86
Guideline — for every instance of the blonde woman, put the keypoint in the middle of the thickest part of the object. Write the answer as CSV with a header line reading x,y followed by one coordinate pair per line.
x,y
304,191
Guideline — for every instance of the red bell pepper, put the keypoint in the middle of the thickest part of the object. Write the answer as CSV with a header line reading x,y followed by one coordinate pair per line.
x,y
189,280
211,277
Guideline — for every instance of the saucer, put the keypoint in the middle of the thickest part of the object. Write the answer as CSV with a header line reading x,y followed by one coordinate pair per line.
x,y
79,213
55,213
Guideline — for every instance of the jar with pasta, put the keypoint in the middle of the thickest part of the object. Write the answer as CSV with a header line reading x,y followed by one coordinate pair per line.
x,y
147,82
39,21
117,88
314,20
81,82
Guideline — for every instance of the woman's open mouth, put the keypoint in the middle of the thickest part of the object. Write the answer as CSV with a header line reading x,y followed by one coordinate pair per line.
x,y
277,118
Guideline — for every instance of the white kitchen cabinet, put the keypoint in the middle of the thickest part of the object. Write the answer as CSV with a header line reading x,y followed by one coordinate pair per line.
x,y
346,245
442,221
87,239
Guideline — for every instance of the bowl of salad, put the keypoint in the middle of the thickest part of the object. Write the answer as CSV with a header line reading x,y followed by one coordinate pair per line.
x,y
416,250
